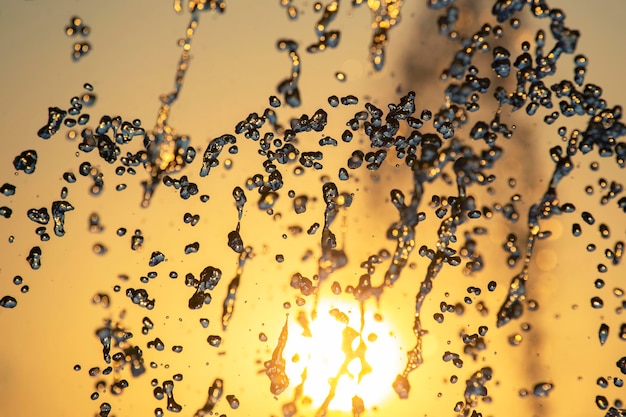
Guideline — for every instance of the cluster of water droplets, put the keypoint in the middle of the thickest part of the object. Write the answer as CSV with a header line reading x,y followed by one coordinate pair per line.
x,y
78,28
444,145
385,15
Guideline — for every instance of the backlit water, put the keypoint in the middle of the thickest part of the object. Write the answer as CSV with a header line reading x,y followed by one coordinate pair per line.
x,y
459,226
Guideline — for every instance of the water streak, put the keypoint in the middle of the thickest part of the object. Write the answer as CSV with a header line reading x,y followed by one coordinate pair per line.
x,y
275,367
289,86
326,39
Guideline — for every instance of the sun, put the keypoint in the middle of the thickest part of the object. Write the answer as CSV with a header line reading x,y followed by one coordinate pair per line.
x,y
331,350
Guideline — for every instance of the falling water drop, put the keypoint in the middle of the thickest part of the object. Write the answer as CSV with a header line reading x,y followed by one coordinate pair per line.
x,y
8,302
603,333
542,389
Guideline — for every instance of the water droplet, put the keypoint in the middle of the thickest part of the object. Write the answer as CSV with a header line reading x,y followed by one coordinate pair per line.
x,y
156,258
6,212
136,241
299,204
604,231
515,339
192,248
588,217
214,340
34,257
349,100
233,402
26,161
7,189
274,101
235,242
602,402
542,389
8,302
596,302
99,249
603,333
157,344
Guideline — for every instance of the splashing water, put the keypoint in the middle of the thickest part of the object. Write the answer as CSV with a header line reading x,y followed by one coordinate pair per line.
x,y
422,204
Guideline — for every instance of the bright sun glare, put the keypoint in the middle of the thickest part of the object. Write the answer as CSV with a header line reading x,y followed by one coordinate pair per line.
x,y
322,355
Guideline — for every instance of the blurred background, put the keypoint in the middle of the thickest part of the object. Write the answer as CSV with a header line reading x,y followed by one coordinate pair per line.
x,y
49,343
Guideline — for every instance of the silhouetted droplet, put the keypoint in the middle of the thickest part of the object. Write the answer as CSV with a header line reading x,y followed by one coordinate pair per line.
x,y
542,389
588,217
26,161
596,302
214,340
8,302
233,402
603,333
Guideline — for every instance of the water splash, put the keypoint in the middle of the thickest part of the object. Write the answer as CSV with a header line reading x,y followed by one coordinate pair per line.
x,y
433,148
166,150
